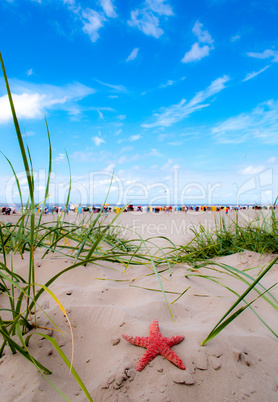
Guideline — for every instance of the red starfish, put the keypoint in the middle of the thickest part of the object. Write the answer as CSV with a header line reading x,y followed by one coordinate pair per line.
x,y
156,344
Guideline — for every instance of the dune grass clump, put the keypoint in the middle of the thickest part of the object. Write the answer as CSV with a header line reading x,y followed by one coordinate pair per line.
x,y
229,237
259,235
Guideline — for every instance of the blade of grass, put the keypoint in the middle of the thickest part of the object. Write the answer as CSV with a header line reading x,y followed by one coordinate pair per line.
x,y
248,290
217,329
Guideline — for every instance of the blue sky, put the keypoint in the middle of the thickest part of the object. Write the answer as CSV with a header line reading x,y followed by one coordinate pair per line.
x,y
179,98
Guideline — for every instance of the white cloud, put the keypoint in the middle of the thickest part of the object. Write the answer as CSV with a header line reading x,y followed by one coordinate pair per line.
x,y
254,74
198,52
98,141
32,101
251,170
108,8
260,124
135,137
268,53
167,84
100,115
159,7
175,143
118,88
203,36
133,54
175,113
235,38
27,106
146,22
60,158
29,133
29,72
93,21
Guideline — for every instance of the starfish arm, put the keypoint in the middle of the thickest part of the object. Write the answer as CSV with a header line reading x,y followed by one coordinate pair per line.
x,y
154,327
142,341
173,340
148,356
170,355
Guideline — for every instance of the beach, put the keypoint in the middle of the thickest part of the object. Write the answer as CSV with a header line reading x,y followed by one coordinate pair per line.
x,y
104,300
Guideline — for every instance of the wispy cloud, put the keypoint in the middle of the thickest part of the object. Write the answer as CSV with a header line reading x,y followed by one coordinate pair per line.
x,y
100,115
254,74
202,35
260,124
29,72
146,19
133,54
93,21
60,158
252,170
199,49
235,38
32,101
108,8
135,137
175,143
98,140
118,88
146,22
159,7
176,113
71,2
267,54
167,84
196,53
29,133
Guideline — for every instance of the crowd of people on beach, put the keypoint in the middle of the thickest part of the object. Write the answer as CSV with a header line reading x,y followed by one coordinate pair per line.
x,y
137,208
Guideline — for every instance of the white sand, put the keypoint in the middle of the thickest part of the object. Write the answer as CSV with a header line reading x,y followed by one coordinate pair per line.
x,y
239,364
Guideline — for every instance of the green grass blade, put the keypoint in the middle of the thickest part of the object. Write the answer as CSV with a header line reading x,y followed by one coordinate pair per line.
x,y
224,324
22,351
73,371
48,174
248,290
35,364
